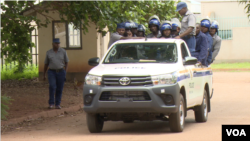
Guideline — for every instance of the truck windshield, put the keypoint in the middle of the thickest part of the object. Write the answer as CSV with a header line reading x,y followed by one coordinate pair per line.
x,y
142,53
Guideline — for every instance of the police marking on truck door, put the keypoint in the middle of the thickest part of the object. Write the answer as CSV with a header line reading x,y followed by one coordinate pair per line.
x,y
191,85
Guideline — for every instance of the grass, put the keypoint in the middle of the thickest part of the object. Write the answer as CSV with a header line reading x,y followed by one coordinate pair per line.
x,y
245,65
5,102
29,72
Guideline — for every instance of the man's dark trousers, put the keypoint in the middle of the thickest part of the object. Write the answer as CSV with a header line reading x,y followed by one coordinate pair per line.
x,y
56,83
191,43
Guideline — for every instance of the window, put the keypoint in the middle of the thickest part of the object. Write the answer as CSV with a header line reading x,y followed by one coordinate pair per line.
x,y
70,38
225,34
142,53
184,51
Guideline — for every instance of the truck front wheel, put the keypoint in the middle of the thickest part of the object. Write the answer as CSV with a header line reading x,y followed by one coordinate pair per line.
x,y
177,120
95,123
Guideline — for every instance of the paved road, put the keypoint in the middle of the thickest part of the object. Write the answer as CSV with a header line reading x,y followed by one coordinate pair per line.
x,y
230,105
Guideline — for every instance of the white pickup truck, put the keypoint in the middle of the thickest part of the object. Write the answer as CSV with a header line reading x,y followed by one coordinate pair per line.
x,y
146,80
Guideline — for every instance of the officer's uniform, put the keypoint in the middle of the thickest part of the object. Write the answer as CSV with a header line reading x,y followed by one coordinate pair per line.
x,y
201,48
189,20
151,35
210,50
216,46
167,37
114,37
56,74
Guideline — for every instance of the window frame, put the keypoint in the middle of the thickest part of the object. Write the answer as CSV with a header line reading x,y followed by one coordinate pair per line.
x,y
111,49
67,35
184,45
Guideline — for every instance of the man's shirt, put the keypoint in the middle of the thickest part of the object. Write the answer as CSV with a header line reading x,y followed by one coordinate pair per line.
x,y
216,45
113,38
188,20
167,37
151,35
56,60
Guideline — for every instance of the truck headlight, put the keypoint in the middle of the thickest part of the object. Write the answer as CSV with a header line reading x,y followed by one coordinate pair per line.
x,y
93,80
164,79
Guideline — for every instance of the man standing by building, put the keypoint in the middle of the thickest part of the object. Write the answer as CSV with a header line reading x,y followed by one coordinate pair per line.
x,y
188,22
57,61
205,26
216,39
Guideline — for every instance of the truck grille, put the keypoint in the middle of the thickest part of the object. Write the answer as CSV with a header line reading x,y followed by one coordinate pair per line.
x,y
134,80
115,95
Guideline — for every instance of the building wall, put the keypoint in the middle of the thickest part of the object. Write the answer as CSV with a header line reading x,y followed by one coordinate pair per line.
x,y
231,16
92,46
237,49
222,9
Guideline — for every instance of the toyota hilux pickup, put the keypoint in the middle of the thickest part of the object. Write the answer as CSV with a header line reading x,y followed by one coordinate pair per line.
x,y
146,80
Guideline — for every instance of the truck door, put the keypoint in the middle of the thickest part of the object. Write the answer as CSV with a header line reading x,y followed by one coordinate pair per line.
x,y
190,92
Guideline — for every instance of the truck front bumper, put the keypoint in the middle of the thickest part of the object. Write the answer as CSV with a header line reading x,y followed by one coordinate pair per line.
x,y
156,104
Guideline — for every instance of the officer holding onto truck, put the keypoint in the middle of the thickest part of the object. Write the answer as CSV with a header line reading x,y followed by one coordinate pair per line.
x,y
205,26
187,32
216,39
154,26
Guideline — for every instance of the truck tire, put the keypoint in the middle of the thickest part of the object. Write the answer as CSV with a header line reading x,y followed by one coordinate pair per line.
x,y
201,112
177,120
95,123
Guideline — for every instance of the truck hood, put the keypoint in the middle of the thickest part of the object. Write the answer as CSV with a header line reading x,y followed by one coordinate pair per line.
x,y
134,69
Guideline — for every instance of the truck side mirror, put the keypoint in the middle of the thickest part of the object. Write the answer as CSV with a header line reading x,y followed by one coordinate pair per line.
x,y
94,61
190,61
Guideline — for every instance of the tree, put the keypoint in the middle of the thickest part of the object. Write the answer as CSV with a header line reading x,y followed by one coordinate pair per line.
x,y
16,41
247,7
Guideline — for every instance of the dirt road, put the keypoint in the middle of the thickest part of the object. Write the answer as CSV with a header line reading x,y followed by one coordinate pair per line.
x,y
230,105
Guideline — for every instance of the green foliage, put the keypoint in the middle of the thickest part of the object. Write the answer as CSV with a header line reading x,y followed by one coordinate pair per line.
x,y
247,6
5,101
9,72
16,28
15,33
109,13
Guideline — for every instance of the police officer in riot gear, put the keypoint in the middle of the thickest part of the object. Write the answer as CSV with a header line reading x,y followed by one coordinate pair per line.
x,y
216,39
205,26
141,31
154,26
166,30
